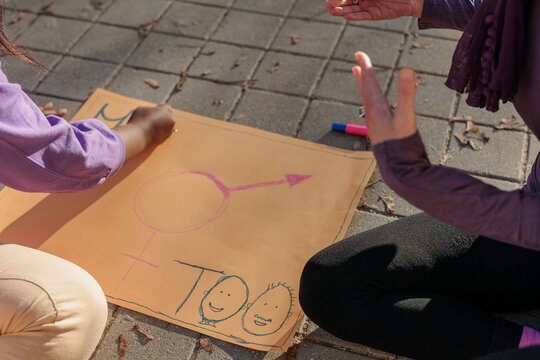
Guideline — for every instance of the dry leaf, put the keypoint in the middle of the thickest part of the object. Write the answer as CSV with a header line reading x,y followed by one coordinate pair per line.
x,y
357,145
153,83
16,19
461,118
473,129
509,124
122,346
239,61
207,345
139,329
369,206
274,68
45,9
248,84
424,45
218,102
97,4
208,53
23,10
182,81
389,202
474,145
295,39
207,73
462,139
445,159
144,29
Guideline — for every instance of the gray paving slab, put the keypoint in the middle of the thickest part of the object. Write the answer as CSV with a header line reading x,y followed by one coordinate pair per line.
x,y
165,53
401,24
234,28
363,221
338,83
228,351
170,341
433,133
16,22
276,7
441,33
307,37
71,106
82,9
317,125
52,34
228,63
369,41
34,5
133,12
532,153
372,200
205,98
433,98
501,156
25,74
313,10
500,184
108,43
131,82
484,117
427,54
189,19
310,351
288,73
273,112
220,3
76,78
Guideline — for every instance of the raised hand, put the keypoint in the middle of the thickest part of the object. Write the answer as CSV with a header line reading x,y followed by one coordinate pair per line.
x,y
374,9
383,123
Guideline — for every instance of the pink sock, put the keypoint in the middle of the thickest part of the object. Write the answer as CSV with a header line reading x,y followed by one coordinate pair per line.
x,y
529,337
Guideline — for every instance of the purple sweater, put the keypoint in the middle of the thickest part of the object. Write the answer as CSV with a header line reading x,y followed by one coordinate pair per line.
x,y
48,154
453,196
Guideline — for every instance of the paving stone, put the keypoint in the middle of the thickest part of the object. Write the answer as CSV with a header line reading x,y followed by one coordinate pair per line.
x,y
131,82
228,351
133,12
277,7
433,98
165,53
52,34
433,133
273,112
204,98
369,41
190,19
372,197
71,106
435,58
104,42
533,151
500,184
313,10
317,125
82,9
401,24
295,75
338,82
484,117
25,74
501,156
310,351
170,341
234,28
223,62
222,3
314,38
442,33
76,78
34,5
16,22
363,221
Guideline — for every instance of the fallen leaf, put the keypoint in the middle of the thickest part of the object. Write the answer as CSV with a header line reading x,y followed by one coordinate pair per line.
x,y
474,145
207,73
208,53
16,19
389,202
144,28
97,4
182,81
248,84
461,118
207,345
462,139
274,68
218,102
357,145
445,159
153,83
23,10
424,45
122,346
473,129
369,206
295,39
239,61
45,9
140,330
509,124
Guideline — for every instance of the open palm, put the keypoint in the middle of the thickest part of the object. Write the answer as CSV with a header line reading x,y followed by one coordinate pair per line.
x,y
374,9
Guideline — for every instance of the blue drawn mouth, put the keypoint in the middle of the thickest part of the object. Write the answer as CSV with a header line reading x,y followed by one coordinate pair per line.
x,y
263,321
215,309
259,323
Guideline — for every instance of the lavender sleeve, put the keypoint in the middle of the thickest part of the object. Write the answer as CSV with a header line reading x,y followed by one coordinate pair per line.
x,y
447,14
49,154
457,198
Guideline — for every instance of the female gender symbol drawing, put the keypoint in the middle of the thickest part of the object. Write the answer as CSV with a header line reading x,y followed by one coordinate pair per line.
x,y
216,193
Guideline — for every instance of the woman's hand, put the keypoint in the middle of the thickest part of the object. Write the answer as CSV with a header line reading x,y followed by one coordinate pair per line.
x,y
383,123
375,9
147,126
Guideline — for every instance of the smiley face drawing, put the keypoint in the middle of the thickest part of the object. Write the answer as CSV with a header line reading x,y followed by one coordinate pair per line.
x,y
269,311
225,299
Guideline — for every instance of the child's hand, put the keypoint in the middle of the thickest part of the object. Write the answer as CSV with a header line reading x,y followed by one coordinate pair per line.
x,y
49,109
148,126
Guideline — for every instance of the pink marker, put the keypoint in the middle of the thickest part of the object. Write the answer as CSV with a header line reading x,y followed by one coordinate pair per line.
x,y
350,129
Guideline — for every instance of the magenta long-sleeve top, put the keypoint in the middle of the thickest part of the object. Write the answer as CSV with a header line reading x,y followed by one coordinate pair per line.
x,y
453,196
48,154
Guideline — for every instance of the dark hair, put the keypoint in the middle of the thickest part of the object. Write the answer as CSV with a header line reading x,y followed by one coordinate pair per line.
x,y
9,48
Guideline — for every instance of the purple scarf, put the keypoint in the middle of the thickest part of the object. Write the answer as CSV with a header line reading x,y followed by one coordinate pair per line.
x,y
489,55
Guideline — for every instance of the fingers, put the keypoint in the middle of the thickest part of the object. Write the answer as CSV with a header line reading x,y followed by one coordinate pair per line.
x,y
372,96
406,91
342,11
335,3
359,16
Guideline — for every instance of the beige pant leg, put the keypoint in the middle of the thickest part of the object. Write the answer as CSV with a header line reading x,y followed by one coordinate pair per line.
x,y
49,307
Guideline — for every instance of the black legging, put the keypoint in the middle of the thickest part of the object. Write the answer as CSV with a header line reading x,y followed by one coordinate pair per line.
x,y
422,289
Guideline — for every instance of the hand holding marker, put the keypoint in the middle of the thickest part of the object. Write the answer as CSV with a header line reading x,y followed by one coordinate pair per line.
x,y
351,128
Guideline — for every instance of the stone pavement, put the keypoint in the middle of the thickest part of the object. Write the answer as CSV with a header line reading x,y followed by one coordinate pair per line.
x,y
279,65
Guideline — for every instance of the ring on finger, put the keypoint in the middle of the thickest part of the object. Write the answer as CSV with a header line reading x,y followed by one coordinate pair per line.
x,y
355,2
